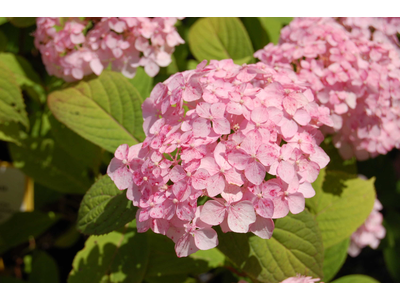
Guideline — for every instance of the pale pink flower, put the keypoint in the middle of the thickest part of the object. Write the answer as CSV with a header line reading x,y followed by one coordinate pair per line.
x,y
301,279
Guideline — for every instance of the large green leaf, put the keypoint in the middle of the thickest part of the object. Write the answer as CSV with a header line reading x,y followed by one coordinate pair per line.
x,y
44,268
104,208
120,256
128,256
22,225
220,38
106,110
342,203
48,164
356,278
12,107
334,258
273,26
76,146
295,248
25,75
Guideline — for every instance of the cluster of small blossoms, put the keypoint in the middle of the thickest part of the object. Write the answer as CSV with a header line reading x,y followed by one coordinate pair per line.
x,y
370,233
301,279
228,145
75,47
382,30
356,78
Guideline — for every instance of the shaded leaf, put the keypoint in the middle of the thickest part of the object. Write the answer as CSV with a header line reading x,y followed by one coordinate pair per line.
x,y
77,147
9,132
220,38
142,82
44,268
258,35
295,248
48,164
104,208
342,203
334,258
22,225
273,26
105,110
3,41
115,257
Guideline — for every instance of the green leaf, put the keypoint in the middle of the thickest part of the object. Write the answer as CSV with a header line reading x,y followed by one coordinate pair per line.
x,y
3,41
220,38
9,132
164,262
77,147
44,268
104,208
22,225
342,203
295,248
356,278
256,31
273,26
105,110
336,161
12,107
25,75
48,164
334,258
115,257
128,256
22,22
392,261
142,82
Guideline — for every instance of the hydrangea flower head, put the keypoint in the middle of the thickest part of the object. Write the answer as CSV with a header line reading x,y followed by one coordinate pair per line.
x,y
75,47
228,145
355,78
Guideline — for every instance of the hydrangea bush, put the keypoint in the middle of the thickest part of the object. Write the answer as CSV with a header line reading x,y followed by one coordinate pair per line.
x,y
148,155
352,72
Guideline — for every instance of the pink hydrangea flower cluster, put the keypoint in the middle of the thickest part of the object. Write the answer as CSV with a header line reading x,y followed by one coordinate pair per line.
x,y
75,47
383,30
356,78
370,233
301,279
244,139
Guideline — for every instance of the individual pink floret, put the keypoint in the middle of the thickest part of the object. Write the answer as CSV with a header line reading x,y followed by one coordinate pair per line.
x,y
301,279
